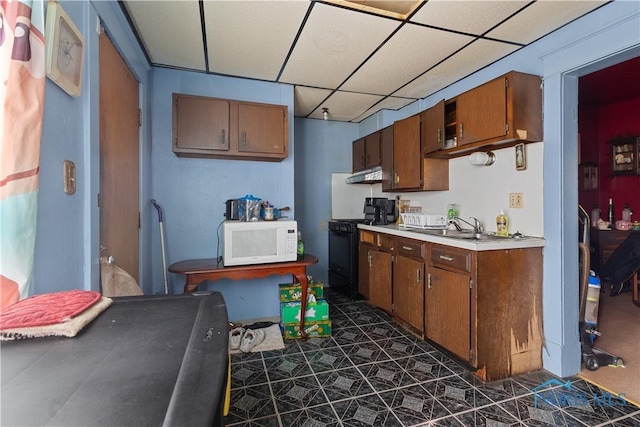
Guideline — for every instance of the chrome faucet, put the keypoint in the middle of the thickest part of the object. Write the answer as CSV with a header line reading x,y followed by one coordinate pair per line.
x,y
477,225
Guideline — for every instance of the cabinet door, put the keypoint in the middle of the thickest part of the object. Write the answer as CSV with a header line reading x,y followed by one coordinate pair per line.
x,y
386,157
408,291
363,270
372,150
200,123
432,128
482,112
380,279
262,129
448,311
357,156
407,154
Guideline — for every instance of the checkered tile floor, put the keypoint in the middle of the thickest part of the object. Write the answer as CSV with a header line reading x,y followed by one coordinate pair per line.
x,y
372,373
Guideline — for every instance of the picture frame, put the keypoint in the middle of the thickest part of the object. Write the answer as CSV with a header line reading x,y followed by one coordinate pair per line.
x,y
521,157
64,50
588,176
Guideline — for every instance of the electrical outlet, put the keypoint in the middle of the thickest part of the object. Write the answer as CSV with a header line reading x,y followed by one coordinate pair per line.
x,y
516,200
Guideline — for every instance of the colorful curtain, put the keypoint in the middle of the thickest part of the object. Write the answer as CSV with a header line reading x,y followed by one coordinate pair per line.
x,y
22,82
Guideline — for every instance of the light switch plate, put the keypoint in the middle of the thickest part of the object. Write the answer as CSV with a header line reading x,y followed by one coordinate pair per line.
x,y
516,200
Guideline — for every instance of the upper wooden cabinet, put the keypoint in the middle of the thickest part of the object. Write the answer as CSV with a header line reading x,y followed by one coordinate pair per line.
x,y
411,170
222,128
505,110
433,130
407,158
386,157
366,152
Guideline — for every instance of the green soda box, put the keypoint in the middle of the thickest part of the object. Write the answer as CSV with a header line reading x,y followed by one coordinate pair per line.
x,y
321,328
290,292
290,311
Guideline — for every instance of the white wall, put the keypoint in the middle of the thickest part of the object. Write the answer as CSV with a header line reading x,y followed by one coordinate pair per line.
x,y
479,191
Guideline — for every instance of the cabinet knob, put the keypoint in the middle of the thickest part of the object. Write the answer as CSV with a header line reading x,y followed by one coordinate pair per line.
x,y
440,135
429,281
222,137
244,139
461,131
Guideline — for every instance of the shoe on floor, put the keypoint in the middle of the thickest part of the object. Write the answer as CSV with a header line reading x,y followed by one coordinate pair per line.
x,y
251,338
235,338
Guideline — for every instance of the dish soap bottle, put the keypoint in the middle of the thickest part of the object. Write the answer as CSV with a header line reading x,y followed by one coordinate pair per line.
x,y
300,244
502,224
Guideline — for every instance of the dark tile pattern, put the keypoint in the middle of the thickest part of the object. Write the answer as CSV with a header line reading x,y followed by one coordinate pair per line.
x,y
371,372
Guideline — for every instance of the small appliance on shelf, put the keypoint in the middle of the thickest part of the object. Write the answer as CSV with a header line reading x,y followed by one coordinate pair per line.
x,y
380,211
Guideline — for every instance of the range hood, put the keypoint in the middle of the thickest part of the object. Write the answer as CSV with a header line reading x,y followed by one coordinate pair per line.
x,y
367,176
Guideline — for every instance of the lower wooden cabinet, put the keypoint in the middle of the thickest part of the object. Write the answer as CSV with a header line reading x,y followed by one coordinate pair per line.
x,y
484,307
447,316
380,292
408,291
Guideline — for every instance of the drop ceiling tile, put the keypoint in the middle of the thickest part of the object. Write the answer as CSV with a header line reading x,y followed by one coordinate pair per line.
x,y
176,45
346,106
334,42
251,38
307,99
471,17
389,103
477,55
541,18
410,52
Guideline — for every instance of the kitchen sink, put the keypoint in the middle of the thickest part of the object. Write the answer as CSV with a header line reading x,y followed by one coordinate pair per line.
x,y
465,234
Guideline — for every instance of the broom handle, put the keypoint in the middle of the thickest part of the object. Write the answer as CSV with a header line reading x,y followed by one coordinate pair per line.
x,y
164,262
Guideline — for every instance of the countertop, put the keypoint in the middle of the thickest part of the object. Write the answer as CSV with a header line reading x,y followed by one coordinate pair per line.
x,y
474,245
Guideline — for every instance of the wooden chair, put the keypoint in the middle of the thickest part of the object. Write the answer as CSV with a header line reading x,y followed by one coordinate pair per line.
x,y
635,288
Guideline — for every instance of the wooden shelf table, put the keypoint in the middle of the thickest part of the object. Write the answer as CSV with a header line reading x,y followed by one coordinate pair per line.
x,y
199,270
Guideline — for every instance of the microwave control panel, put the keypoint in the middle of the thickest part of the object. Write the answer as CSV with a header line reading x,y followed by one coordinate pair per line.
x,y
292,241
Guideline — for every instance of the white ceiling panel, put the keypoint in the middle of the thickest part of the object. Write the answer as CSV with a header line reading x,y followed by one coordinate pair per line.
x,y
389,103
176,45
307,99
231,30
410,51
334,42
346,106
473,17
477,55
541,18
344,50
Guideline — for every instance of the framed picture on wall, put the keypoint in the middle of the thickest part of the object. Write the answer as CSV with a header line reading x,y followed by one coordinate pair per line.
x,y
64,50
588,176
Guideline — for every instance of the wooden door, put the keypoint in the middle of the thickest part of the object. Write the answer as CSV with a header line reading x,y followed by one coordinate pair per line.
x,y
119,159
482,112
380,280
432,128
407,154
408,291
448,311
262,129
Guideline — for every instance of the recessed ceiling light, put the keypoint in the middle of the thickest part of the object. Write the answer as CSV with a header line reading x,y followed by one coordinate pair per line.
x,y
394,8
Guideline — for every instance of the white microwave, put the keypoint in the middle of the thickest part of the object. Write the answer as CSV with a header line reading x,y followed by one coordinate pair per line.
x,y
259,242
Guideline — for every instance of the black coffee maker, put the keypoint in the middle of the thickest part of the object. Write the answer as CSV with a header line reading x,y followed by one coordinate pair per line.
x,y
380,211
